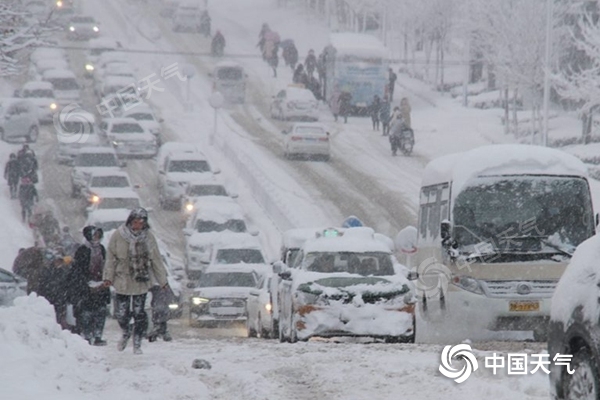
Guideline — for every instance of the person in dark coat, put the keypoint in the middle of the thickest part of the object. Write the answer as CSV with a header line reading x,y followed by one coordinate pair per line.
x,y
12,174
218,44
385,115
27,197
54,284
274,60
289,53
300,76
262,39
161,299
345,101
310,63
89,297
29,264
392,77
322,70
374,111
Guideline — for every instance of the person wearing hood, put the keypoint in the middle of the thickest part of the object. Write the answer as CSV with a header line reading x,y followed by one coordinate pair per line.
x,y
88,294
132,258
11,174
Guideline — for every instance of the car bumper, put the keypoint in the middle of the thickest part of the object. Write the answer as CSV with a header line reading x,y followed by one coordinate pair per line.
x,y
369,320
141,151
302,114
308,148
83,34
208,313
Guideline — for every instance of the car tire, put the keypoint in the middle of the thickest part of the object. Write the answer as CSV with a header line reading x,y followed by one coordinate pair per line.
x,y
275,329
33,134
584,382
264,333
293,333
251,332
540,334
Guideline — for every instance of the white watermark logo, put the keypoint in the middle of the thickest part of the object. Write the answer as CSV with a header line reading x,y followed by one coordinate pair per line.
x,y
73,124
461,352
433,278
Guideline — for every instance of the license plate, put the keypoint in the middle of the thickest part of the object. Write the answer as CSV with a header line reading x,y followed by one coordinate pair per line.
x,y
524,306
310,139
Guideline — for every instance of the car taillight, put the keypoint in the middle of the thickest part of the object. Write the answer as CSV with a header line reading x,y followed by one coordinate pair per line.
x,y
323,139
295,138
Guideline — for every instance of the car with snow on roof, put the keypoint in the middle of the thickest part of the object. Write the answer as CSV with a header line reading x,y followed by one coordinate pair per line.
x,y
295,101
203,191
346,284
229,79
220,297
114,199
261,313
212,223
83,27
65,84
75,130
129,138
145,116
42,95
307,139
90,160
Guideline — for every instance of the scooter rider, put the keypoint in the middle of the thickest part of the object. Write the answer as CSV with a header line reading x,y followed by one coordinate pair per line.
x,y
401,136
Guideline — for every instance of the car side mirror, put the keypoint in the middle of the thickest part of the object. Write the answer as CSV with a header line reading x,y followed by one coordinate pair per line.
x,y
161,120
412,275
597,219
216,171
188,232
161,172
253,232
285,275
191,285
234,195
445,228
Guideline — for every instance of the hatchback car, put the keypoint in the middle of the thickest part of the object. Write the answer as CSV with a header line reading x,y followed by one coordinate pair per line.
x,y
88,161
18,120
65,84
144,115
307,139
186,17
295,102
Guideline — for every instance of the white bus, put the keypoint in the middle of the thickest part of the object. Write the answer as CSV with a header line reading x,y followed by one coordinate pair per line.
x,y
497,227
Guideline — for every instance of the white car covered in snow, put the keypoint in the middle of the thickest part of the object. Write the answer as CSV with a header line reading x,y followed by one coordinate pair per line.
x,y
261,321
114,199
213,223
176,171
108,220
42,95
220,297
346,284
65,84
98,46
295,102
129,138
75,130
204,190
144,115
88,161
99,181
307,139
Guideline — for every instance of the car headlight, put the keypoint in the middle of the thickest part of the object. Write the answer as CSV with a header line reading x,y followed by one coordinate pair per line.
x,y
173,306
117,142
467,283
199,300
189,207
59,3
94,199
53,106
89,67
96,29
72,28
269,307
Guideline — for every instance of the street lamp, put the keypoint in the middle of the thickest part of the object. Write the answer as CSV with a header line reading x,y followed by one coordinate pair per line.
x,y
546,104
216,101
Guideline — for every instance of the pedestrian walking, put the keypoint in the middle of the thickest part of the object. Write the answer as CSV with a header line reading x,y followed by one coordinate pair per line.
x,y
374,110
132,257
385,115
12,174
300,76
405,111
27,197
310,63
392,77
334,102
89,296
289,52
345,102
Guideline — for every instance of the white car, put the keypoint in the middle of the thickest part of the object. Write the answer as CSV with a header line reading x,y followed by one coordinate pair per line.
x,y
208,226
108,219
205,190
129,138
88,161
42,95
307,139
99,181
107,57
115,85
245,249
347,284
83,27
144,115
65,84
98,46
45,53
295,102
114,199
18,120
37,69
229,79
261,321
177,171
220,297
75,130
186,17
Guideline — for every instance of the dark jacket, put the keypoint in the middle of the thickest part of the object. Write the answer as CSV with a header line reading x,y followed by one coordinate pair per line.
x,y
345,102
29,264
80,292
290,54
54,284
27,194
12,171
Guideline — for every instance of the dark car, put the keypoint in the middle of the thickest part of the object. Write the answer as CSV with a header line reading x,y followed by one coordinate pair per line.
x,y
11,287
574,328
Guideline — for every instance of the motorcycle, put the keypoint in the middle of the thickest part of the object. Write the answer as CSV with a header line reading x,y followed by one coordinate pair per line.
x,y
403,141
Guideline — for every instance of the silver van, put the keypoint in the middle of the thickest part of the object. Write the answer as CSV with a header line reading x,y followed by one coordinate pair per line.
x,y
18,119
229,79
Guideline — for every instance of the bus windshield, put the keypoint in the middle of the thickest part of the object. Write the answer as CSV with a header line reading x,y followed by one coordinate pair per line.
x,y
524,214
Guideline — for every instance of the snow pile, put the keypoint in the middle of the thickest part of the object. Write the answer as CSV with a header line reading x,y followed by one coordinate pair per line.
x,y
34,348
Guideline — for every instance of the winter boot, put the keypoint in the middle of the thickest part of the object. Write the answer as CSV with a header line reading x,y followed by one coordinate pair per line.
x,y
167,337
123,343
99,342
137,344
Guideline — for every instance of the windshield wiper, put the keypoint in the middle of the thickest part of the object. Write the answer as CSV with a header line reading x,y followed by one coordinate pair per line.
x,y
544,240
